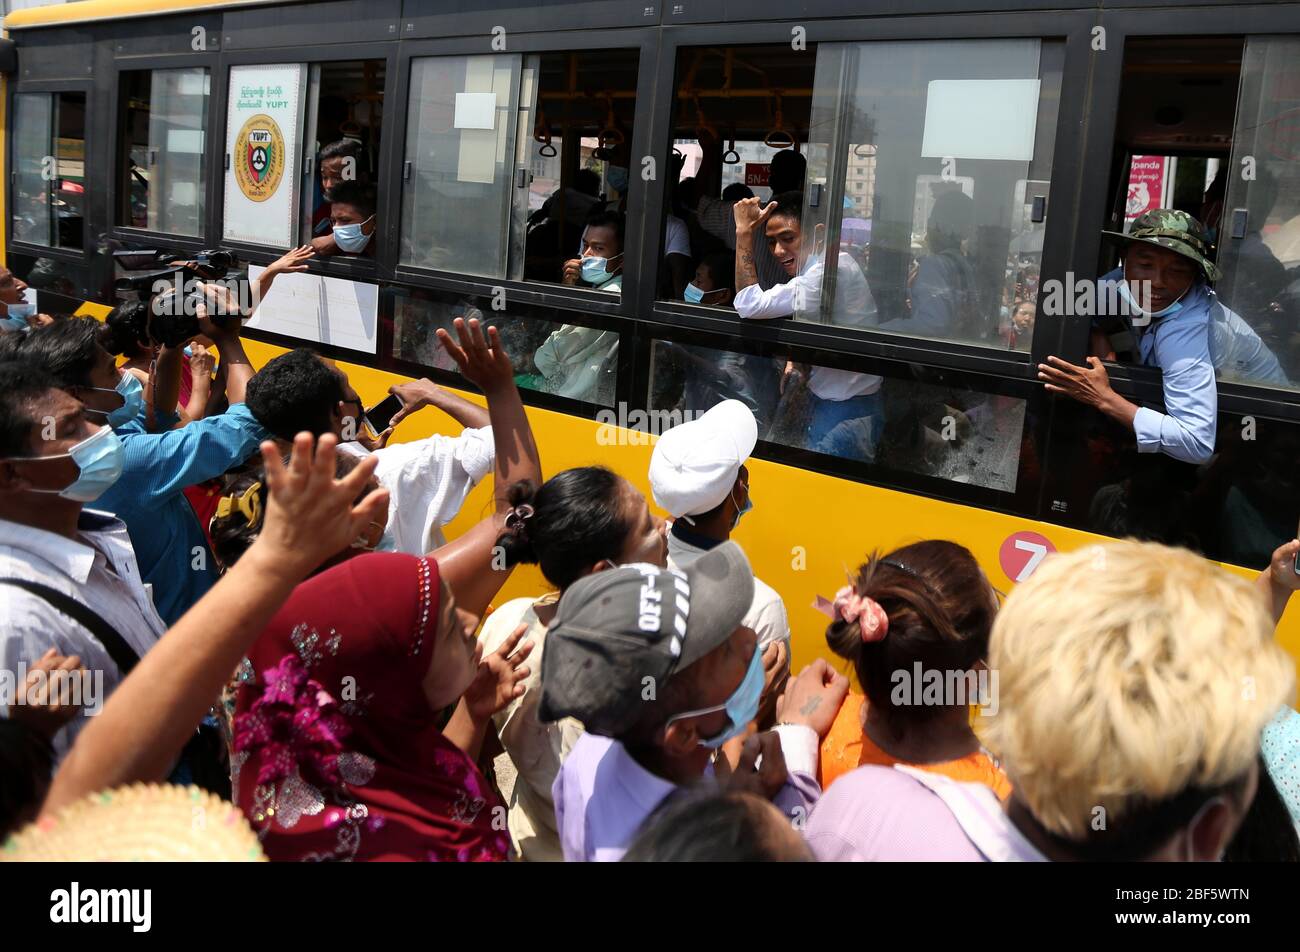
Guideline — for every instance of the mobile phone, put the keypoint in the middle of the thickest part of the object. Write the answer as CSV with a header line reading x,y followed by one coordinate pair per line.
x,y
378,416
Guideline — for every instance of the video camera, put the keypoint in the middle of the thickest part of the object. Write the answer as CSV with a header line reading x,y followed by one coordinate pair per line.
x,y
177,321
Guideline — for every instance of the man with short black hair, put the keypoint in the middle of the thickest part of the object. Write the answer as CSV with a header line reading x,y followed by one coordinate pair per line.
x,y
847,414
717,217
67,573
427,480
352,222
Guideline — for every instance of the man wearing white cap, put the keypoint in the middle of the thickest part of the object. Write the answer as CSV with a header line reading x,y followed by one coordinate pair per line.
x,y
698,474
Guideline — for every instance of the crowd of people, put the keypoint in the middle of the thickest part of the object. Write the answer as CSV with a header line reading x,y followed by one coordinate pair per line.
x,y
263,589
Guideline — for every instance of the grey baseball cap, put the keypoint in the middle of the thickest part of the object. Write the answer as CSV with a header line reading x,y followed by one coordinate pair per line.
x,y
614,629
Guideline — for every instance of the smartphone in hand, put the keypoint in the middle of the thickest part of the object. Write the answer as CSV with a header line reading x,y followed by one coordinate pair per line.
x,y
378,416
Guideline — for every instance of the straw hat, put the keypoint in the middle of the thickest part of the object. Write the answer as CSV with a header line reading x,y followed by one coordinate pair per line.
x,y
143,822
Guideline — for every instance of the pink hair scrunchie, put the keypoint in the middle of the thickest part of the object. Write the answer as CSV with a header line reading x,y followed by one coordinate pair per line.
x,y
872,619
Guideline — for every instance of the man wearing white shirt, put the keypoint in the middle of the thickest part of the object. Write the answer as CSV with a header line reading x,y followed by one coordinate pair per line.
x,y
847,413
53,460
427,480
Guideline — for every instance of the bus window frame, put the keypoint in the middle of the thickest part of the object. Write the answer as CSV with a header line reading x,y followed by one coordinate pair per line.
x,y
645,44
1071,28
130,64
1150,19
53,87
373,269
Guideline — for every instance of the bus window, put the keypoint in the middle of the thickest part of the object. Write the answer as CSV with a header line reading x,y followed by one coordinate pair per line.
x,y
905,419
925,162
1187,140
574,143
161,177
345,108
549,355
1257,223
49,157
459,148
740,130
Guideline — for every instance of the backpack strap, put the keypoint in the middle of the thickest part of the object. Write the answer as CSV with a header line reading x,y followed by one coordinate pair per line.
x,y
123,655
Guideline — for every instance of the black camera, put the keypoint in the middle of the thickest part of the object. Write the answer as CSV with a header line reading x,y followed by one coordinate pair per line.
x,y
170,288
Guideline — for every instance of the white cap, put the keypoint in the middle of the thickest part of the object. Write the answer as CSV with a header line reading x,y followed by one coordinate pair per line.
x,y
695,464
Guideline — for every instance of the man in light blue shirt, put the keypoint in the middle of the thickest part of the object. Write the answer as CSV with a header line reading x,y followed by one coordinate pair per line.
x,y
1162,294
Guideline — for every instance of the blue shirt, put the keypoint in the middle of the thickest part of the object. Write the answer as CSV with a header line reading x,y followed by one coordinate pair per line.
x,y
149,497
1188,346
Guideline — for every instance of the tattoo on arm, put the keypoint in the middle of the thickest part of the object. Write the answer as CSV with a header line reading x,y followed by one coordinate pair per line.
x,y
809,706
745,272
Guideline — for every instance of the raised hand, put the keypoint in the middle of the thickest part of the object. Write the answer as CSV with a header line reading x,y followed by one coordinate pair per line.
x,y
293,260
481,358
311,515
497,682
751,213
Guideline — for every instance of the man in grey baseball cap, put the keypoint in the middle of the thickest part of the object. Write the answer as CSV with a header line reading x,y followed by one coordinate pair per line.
x,y
658,666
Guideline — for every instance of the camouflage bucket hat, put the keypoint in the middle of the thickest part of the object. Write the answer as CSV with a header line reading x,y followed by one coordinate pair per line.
x,y
1174,230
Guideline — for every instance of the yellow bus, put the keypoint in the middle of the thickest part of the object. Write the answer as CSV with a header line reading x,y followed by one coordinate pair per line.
x,y
487,133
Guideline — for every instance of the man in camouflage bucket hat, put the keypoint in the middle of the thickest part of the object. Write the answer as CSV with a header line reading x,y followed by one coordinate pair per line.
x,y
1161,293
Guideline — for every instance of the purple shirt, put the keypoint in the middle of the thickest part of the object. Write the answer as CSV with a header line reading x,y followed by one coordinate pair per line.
x,y
602,795
883,814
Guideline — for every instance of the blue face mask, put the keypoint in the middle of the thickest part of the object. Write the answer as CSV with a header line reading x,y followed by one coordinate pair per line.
x,y
133,392
350,238
616,176
741,707
694,294
99,457
593,270
17,316
741,510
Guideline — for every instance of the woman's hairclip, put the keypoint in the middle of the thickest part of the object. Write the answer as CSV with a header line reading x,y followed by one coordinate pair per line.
x,y
247,503
869,614
517,516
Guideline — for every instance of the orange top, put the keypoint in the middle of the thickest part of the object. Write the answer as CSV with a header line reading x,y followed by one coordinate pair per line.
x,y
847,747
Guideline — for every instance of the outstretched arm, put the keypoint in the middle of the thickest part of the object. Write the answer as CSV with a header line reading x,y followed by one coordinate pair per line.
x,y
469,563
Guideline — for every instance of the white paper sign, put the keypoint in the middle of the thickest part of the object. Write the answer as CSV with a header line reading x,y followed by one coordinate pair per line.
x,y
980,119
262,124
312,307
476,110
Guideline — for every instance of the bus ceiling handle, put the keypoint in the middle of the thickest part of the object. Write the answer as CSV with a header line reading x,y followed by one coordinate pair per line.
x,y
783,139
727,161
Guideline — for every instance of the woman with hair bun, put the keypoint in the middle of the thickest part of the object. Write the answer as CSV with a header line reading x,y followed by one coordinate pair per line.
x,y
580,521
915,623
